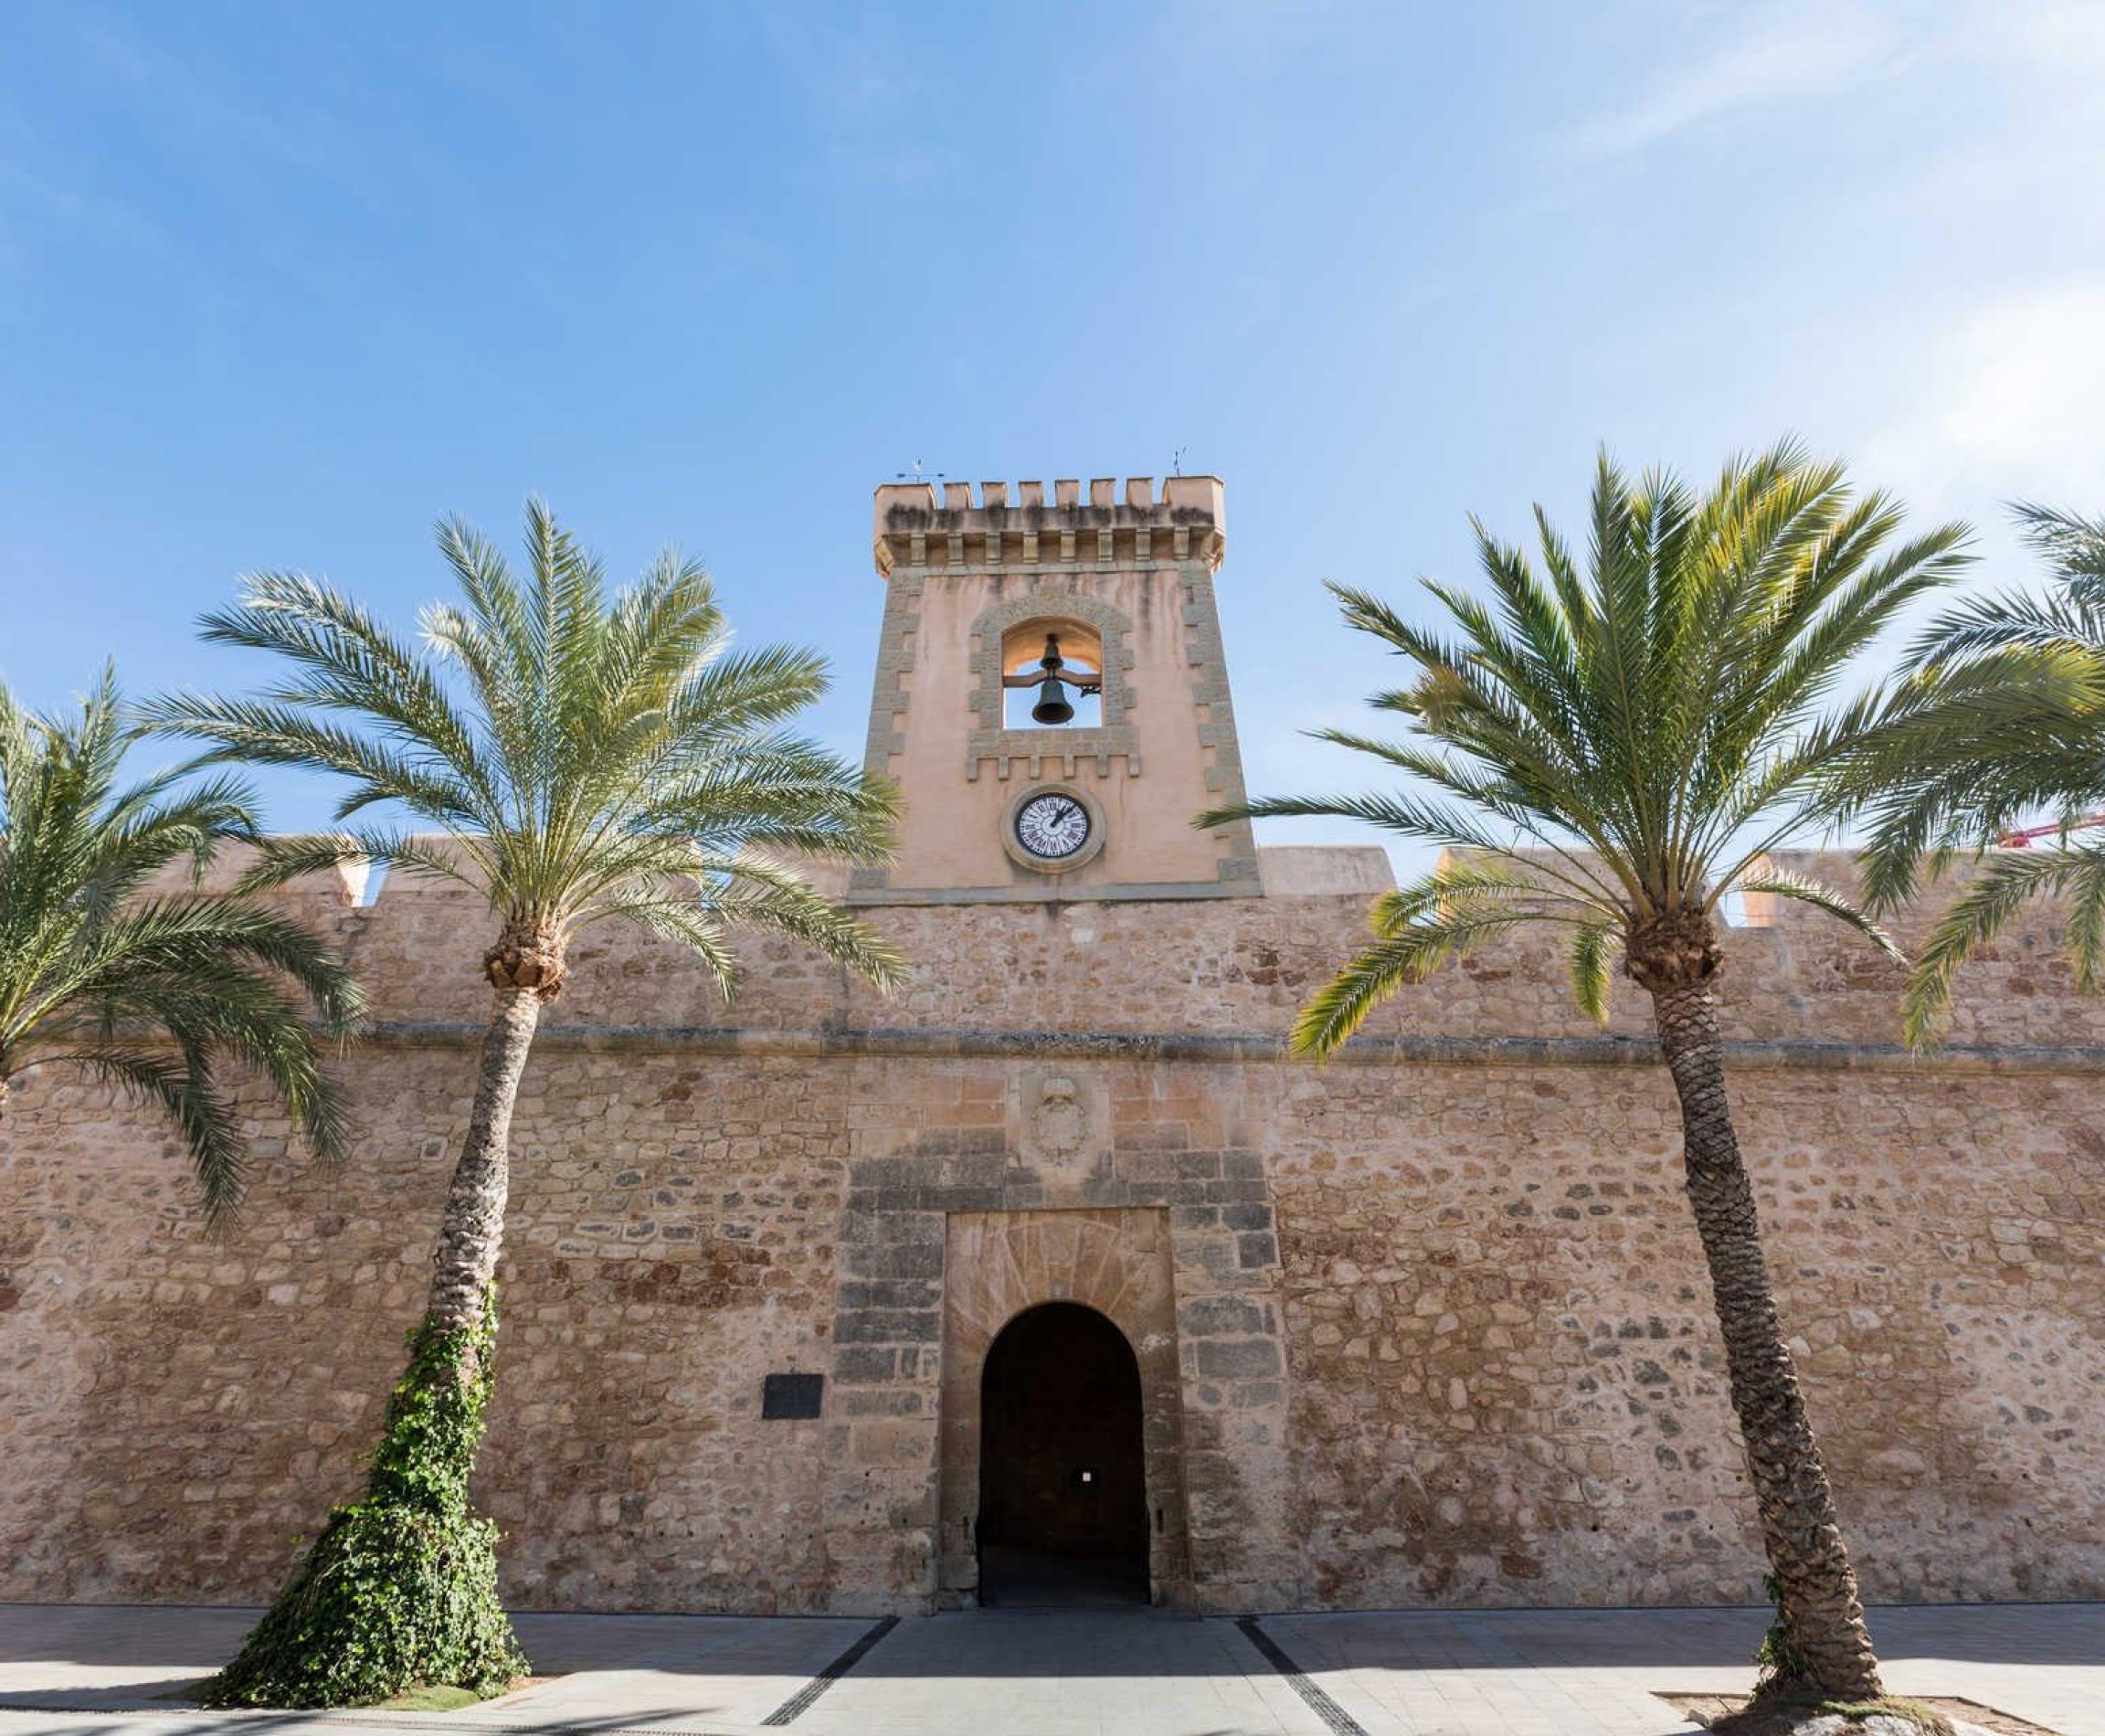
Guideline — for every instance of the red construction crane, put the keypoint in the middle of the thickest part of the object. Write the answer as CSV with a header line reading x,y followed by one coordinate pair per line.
x,y
2024,840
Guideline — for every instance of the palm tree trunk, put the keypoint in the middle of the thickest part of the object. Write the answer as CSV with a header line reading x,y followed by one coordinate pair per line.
x,y
1822,1614
401,1587
471,1234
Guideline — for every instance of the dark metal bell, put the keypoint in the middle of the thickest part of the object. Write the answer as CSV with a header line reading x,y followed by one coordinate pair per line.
x,y
1052,707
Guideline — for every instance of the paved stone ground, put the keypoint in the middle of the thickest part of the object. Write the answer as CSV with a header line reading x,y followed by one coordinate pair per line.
x,y
72,1671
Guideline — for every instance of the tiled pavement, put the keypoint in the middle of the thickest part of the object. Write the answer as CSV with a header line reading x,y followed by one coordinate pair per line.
x,y
1077,1672
1597,1672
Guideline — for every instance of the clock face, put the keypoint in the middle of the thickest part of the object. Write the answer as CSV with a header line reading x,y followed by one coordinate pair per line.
x,y
1052,827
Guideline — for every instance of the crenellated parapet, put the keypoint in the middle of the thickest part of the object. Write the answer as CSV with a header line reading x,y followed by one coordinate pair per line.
x,y
1013,525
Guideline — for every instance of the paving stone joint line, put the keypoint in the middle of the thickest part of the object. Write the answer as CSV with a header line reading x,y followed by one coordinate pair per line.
x,y
798,1703
1334,1716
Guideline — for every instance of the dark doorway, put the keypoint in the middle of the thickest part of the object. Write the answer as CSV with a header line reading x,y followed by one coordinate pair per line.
x,y
1063,1480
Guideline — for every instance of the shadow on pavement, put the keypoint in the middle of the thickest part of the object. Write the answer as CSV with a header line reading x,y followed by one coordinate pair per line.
x,y
102,1642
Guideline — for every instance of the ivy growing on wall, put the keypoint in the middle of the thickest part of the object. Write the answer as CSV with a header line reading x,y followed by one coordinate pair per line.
x,y
400,1589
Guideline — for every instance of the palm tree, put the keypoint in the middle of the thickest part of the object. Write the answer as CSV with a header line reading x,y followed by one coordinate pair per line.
x,y
2004,720
151,995
1614,750
585,758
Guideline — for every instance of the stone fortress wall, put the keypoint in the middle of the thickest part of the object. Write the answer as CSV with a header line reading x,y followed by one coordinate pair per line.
x,y
1427,1325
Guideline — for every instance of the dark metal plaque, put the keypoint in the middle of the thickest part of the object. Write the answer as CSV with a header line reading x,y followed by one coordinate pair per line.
x,y
787,1398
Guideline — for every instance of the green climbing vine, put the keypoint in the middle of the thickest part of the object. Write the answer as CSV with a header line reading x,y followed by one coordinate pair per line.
x,y
400,1589
1783,1670
1787,1691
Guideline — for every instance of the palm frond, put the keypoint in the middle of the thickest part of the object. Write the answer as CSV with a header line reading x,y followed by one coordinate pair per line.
x,y
687,924
1803,889
345,660
152,993
802,914
2074,545
576,750
184,1091
1428,822
1965,751
1593,948
1627,726
1404,952
288,856
2002,721
269,733
2000,884
2085,887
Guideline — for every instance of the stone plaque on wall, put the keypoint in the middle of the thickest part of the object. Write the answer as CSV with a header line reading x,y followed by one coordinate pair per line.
x,y
1059,1126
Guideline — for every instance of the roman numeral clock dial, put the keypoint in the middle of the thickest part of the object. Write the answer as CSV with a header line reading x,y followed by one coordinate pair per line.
x,y
1053,827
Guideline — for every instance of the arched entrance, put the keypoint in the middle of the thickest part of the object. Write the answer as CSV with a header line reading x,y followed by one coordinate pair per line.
x,y
998,1267
1062,1476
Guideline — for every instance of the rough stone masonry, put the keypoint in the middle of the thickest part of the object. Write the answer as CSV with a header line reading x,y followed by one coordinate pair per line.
x,y
1426,1326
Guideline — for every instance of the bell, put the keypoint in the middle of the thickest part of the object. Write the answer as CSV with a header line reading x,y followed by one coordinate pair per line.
x,y
1052,707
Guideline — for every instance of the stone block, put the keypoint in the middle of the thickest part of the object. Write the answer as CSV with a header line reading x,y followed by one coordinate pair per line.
x,y
889,1293
859,1363
1236,1358
1217,1316
887,1325
897,1260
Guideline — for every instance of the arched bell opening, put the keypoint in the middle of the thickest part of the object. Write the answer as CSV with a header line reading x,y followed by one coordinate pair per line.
x,y
1062,1515
1052,675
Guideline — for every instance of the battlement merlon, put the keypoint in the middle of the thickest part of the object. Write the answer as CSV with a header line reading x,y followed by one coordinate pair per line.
x,y
1011,526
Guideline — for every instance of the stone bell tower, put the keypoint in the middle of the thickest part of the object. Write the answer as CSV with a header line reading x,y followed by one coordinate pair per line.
x,y
1051,697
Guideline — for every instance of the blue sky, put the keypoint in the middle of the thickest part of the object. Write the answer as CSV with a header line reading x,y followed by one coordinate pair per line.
x,y
279,284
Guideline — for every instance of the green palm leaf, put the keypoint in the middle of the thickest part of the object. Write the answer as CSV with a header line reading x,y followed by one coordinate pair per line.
x,y
2002,724
573,747
153,995
2001,884
1592,970
1406,953
1785,884
1634,729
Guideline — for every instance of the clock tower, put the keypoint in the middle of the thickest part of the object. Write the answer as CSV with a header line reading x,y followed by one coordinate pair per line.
x,y
1051,698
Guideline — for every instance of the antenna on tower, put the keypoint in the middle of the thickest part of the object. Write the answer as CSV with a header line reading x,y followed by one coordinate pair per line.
x,y
1177,463
918,475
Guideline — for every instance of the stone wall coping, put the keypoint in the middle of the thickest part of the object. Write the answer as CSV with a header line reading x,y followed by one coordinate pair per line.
x,y
1771,1054
1317,870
